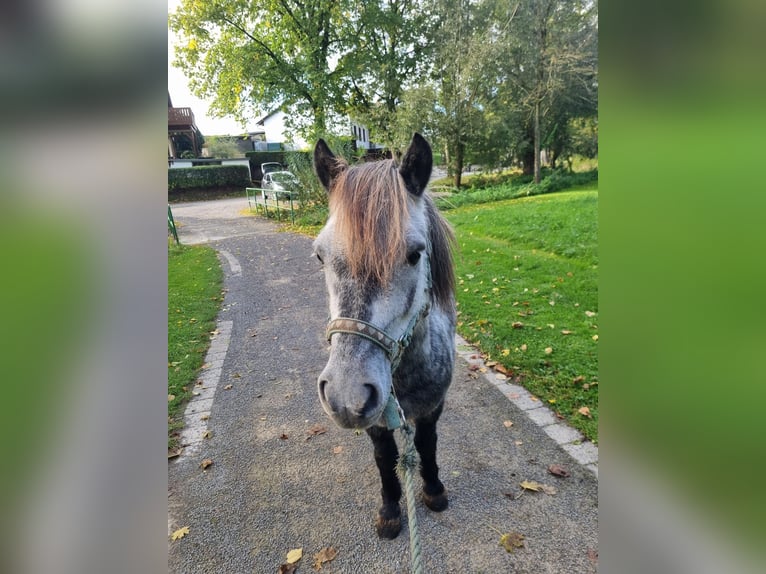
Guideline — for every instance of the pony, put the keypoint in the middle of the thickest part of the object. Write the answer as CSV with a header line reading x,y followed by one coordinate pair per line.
x,y
386,253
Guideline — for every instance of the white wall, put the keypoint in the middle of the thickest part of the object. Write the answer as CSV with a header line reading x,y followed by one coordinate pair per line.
x,y
276,131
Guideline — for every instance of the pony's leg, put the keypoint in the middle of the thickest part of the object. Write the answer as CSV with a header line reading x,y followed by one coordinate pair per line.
x,y
389,521
434,495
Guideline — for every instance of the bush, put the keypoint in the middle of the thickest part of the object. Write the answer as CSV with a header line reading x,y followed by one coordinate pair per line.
x,y
556,181
208,176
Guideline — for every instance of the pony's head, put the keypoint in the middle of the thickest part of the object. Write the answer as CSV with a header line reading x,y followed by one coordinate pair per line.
x,y
377,253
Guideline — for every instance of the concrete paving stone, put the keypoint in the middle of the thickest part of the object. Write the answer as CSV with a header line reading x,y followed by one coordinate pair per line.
x,y
212,365
520,397
211,377
563,434
542,416
584,453
196,407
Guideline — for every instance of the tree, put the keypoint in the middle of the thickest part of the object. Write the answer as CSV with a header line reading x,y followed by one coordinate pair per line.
x,y
551,64
253,57
388,53
464,73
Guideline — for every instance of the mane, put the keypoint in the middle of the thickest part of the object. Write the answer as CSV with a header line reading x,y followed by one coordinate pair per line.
x,y
370,205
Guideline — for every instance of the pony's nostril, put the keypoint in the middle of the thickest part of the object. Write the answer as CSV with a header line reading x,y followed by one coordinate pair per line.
x,y
371,404
322,385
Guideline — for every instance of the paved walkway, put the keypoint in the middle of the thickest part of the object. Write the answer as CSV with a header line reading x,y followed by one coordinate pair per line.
x,y
274,485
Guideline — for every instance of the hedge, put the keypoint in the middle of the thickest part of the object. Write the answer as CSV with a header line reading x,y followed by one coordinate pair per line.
x,y
208,176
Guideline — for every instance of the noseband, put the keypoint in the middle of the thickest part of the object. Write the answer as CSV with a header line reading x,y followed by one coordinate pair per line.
x,y
394,348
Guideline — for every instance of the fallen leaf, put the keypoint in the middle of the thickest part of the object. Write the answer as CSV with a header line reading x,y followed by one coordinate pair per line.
x,y
175,452
287,569
592,555
283,436
500,376
171,397
207,434
517,325
294,555
227,387
595,337
205,463
558,470
548,350
585,411
518,442
482,369
505,352
537,487
551,302
324,555
501,369
316,430
338,449
180,533
507,424
590,313
204,417
524,347
236,376
530,485
566,332
578,380
491,364
512,540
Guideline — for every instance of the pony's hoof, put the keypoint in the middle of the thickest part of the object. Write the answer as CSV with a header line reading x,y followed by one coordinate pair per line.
x,y
388,528
436,502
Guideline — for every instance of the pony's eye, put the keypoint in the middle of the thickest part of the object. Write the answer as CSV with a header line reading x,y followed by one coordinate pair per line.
x,y
413,258
319,257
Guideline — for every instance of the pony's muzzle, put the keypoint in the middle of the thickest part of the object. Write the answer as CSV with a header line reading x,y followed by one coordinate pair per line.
x,y
350,404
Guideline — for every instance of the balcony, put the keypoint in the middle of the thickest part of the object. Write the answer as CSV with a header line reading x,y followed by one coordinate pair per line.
x,y
180,118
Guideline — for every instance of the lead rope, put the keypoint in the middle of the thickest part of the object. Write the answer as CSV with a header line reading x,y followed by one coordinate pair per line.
x,y
408,462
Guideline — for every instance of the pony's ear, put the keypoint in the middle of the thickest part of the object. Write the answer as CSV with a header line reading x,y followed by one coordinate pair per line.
x,y
326,165
416,165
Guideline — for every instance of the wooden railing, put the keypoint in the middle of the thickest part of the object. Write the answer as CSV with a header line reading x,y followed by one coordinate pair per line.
x,y
178,117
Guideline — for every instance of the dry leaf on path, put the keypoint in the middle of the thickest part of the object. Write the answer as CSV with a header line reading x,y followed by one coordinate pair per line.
x,y
338,449
512,540
537,487
227,387
175,452
558,470
287,569
294,555
316,430
324,555
507,424
283,436
180,533
205,463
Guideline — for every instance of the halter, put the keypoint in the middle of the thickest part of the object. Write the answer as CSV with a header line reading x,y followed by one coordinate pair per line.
x,y
394,348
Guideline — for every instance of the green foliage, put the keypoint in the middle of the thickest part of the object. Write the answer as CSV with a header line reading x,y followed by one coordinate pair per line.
x,y
208,176
222,147
194,297
519,187
526,271
254,57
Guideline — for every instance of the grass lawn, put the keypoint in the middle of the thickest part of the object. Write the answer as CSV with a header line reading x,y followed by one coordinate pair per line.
x,y
528,298
194,297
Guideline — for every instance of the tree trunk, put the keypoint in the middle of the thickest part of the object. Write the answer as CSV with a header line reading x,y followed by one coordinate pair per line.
x,y
459,149
537,142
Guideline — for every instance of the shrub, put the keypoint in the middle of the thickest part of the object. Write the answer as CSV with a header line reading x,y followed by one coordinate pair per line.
x,y
556,181
208,176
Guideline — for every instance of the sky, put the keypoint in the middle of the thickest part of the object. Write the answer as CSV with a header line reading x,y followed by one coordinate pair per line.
x,y
183,98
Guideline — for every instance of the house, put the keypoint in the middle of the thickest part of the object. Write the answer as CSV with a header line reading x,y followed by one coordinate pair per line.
x,y
276,131
183,133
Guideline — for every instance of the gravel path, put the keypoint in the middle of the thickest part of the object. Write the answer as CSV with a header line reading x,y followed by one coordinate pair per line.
x,y
273,487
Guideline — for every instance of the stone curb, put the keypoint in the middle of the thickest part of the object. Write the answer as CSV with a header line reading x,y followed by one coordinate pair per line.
x,y
572,441
197,410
